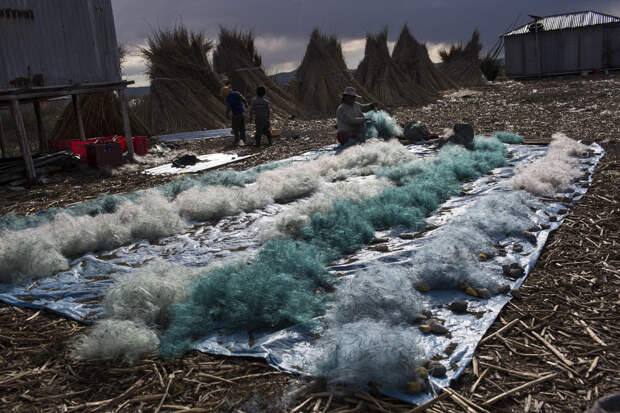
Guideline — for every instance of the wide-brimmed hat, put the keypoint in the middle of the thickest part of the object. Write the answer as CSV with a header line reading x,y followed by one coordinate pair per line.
x,y
350,91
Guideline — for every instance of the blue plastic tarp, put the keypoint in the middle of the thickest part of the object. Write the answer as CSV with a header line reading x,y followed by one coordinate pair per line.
x,y
77,293
191,136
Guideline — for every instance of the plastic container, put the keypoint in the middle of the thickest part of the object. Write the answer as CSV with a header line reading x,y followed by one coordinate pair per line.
x,y
60,145
140,145
104,154
79,148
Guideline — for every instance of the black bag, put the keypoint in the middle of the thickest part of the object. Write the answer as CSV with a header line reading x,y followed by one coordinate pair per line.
x,y
416,132
185,160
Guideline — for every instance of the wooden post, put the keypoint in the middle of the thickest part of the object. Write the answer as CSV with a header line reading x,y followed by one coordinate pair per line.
x,y
3,145
78,116
538,52
23,140
41,128
126,124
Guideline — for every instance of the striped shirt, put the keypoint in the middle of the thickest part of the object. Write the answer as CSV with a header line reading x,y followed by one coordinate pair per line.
x,y
260,108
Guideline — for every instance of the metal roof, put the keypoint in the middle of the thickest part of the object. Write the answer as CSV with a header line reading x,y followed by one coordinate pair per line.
x,y
565,21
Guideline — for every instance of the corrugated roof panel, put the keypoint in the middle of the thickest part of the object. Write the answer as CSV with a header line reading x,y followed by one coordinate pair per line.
x,y
566,21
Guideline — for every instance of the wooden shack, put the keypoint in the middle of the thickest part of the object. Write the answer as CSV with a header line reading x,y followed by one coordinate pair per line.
x,y
55,48
563,44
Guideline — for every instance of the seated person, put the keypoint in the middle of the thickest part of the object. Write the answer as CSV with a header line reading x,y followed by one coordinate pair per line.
x,y
350,116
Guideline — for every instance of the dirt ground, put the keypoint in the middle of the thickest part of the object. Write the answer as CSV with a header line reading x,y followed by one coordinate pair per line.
x,y
557,349
586,109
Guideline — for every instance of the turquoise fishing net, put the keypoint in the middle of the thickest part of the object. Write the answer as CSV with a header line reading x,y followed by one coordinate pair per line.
x,y
223,178
281,286
107,204
381,125
276,290
508,137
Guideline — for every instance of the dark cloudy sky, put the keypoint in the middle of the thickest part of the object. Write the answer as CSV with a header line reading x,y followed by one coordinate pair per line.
x,y
282,27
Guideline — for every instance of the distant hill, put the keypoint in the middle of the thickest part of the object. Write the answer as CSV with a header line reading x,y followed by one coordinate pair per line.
x,y
283,78
134,92
500,60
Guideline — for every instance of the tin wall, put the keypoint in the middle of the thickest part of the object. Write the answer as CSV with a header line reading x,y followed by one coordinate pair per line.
x,y
563,51
57,42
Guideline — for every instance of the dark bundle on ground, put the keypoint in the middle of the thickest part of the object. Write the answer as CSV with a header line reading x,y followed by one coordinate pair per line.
x,y
236,58
462,64
323,75
411,57
101,115
378,73
184,88
490,66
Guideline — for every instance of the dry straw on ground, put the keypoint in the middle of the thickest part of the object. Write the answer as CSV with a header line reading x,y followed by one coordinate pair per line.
x,y
184,87
380,75
575,282
236,58
412,58
323,75
462,64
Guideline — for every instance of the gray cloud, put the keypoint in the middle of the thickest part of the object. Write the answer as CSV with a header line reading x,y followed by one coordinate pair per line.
x,y
283,26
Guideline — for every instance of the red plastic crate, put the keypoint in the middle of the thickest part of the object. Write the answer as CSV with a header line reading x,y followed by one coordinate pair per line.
x,y
140,145
60,145
79,148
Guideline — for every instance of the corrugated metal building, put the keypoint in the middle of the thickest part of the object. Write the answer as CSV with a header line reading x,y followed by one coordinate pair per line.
x,y
563,44
52,48
57,42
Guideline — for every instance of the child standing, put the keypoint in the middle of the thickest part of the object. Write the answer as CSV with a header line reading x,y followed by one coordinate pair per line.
x,y
260,110
236,103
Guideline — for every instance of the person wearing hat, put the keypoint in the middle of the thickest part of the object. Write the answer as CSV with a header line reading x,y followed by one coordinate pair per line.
x,y
350,116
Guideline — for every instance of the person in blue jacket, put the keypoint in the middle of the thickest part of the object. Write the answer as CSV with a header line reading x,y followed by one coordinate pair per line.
x,y
236,103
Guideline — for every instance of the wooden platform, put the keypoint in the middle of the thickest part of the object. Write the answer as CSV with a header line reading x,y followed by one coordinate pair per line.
x,y
537,141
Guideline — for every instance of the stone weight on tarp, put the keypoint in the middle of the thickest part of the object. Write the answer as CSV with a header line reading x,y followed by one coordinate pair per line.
x,y
463,135
609,404
416,132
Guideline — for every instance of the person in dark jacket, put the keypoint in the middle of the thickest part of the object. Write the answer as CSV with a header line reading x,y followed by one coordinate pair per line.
x,y
260,110
236,103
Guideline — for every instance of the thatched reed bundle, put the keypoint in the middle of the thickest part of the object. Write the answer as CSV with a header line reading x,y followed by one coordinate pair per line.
x,y
101,115
142,109
236,58
412,58
184,88
462,64
378,73
323,75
